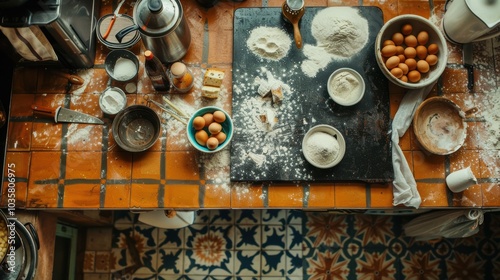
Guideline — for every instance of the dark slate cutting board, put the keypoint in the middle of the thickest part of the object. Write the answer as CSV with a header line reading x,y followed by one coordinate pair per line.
x,y
277,156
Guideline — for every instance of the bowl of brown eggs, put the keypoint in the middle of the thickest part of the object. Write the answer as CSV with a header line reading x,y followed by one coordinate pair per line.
x,y
411,51
210,129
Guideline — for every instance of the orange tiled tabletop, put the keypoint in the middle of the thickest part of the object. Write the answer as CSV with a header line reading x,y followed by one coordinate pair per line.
x,y
78,166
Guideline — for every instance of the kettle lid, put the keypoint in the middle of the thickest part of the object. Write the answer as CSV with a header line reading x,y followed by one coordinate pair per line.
x,y
488,11
157,17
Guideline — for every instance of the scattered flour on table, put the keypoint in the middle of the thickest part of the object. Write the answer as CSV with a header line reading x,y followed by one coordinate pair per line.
x,y
86,75
269,42
340,33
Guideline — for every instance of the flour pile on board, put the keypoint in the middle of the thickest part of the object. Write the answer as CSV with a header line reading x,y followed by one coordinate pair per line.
x,y
340,33
269,42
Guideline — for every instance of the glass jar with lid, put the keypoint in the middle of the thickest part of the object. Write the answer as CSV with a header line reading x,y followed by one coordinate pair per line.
x,y
181,77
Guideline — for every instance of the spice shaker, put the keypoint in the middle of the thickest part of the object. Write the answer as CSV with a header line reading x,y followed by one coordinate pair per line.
x,y
181,77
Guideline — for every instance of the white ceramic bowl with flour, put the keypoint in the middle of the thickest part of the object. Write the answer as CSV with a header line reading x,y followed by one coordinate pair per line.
x,y
323,146
346,86
112,101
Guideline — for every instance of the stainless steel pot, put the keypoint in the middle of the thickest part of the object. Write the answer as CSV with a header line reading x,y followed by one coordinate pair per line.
x,y
163,28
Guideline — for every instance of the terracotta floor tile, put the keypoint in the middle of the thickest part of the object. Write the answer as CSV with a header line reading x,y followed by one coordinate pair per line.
x,y
220,38
427,166
21,105
145,166
485,80
53,81
284,196
454,53
19,136
491,194
389,8
465,158
350,195
185,196
46,136
489,161
86,103
414,143
405,140
464,100
381,195
78,167
83,137
82,196
333,3
321,196
420,8
247,196
454,80
24,80
471,197
144,196
217,196
196,24
409,159
117,196
16,170
119,166
44,178
182,166
472,142
433,194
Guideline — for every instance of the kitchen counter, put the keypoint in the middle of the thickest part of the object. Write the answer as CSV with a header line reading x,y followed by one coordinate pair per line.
x,y
77,166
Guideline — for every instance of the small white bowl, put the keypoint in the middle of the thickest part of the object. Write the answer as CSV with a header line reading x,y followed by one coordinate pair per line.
x,y
333,132
353,93
112,101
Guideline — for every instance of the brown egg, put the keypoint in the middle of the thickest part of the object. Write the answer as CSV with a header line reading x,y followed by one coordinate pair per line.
x,y
219,116
406,29
404,67
388,51
212,143
421,52
400,50
387,43
423,37
414,76
209,118
432,49
411,41
404,78
432,59
401,57
392,62
214,128
423,66
411,63
410,52
398,39
201,137
221,137
397,72
198,123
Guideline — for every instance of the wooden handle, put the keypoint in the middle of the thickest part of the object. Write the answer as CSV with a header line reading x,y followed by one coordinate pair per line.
x,y
106,34
296,35
44,111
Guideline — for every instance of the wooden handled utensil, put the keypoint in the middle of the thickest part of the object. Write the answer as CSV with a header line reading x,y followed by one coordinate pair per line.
x,y
292,11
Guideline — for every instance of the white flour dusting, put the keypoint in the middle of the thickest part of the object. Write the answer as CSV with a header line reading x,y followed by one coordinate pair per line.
x,y
269,42
340,33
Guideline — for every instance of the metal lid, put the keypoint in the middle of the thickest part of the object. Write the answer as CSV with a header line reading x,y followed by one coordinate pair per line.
x,y
157,17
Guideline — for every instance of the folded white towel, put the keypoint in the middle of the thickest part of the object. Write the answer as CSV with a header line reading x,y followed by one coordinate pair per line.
x,y
30,43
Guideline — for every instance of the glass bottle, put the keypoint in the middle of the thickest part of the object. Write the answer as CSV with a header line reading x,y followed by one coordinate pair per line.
x,y
156,72
181,77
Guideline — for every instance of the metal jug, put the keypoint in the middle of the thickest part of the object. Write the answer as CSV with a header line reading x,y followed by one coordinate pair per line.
x,y
163,28
466,21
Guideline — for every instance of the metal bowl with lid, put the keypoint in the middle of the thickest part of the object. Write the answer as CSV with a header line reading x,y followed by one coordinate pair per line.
x,y
121,22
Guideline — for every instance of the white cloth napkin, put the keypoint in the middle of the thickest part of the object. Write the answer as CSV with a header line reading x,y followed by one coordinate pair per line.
x,y
405,188
30,43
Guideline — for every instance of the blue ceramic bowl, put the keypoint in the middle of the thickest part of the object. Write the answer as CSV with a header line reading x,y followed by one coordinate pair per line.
x,y
227,127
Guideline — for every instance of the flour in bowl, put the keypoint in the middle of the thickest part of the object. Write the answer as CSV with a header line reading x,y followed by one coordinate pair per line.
x,y
322,148
345,86
269,42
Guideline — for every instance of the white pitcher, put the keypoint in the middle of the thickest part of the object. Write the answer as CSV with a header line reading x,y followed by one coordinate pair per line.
x,y
466,21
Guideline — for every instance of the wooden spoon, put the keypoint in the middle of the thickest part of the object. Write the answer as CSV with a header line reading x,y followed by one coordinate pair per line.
x,y
294,16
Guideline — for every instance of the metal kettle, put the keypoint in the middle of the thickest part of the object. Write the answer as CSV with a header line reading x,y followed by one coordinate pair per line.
x,y
467,21
163,28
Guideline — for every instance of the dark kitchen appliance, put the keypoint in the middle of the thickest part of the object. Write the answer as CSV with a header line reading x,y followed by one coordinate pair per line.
x,y
69,25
